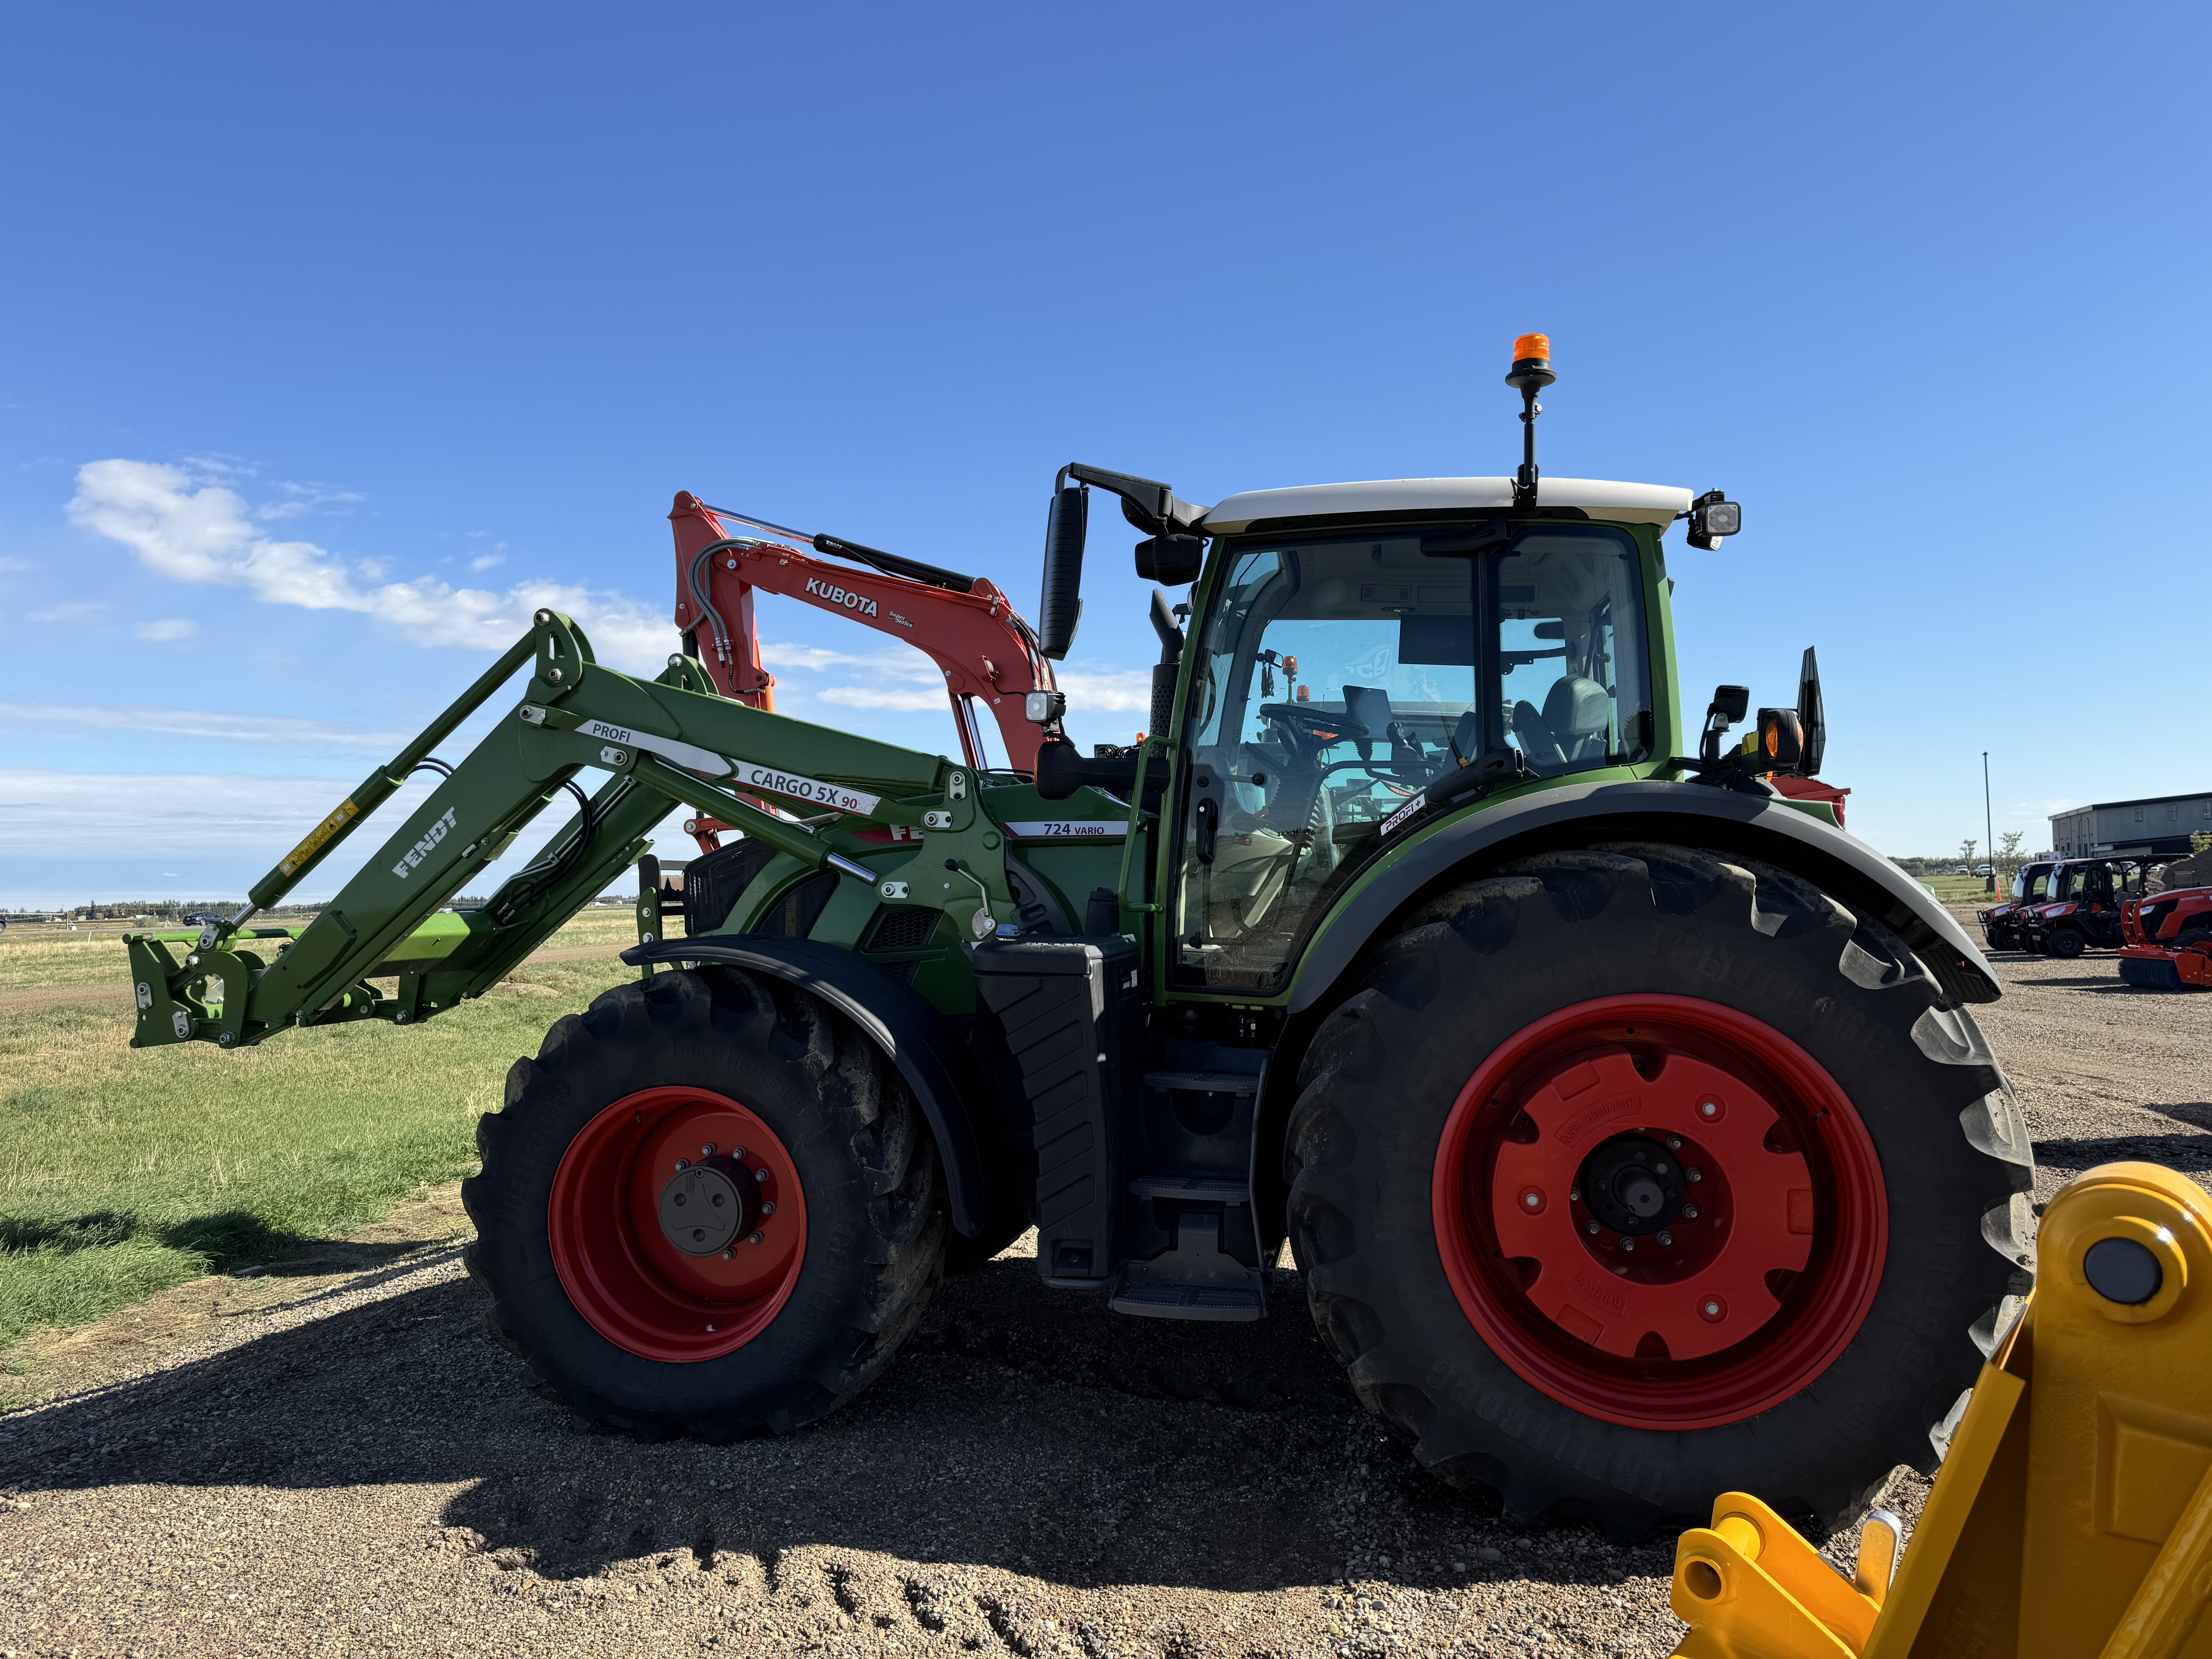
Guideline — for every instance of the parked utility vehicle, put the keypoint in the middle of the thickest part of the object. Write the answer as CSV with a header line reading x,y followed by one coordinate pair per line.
x,y
2082,911
1629,1124
2031,885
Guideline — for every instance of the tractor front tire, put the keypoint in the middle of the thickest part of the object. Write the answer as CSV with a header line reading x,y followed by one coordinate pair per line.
x,y
1630,1176
2066,944
750,1108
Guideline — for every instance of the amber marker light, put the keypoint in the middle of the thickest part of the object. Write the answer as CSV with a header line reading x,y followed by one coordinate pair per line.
x,y
1532,366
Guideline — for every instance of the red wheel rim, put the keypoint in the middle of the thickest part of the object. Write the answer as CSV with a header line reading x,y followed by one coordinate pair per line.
x,y
618,1264
1755,1298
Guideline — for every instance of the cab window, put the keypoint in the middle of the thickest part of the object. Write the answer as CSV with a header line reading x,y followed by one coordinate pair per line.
x,y
1339,677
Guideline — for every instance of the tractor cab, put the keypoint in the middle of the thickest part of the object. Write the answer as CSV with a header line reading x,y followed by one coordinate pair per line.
x,y
1346,666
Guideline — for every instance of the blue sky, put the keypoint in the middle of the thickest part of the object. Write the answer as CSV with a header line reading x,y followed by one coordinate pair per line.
x,y
330,340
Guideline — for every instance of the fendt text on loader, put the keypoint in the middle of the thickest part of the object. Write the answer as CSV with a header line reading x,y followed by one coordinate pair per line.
x,y
1627,1121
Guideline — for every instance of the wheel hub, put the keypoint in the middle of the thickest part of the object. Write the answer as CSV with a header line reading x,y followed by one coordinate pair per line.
x,y
1633,1184
705,1207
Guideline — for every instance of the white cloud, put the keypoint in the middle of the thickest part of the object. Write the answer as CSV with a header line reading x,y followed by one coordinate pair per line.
x,y
285,729
486,561
10,566
169,627
68,610
878,697
897,663
301,498
1107,690
205,535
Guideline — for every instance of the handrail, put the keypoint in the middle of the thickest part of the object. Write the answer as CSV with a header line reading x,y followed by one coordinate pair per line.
x,y
1167,747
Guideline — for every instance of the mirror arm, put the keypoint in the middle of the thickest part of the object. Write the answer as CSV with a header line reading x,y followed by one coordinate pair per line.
x,y
1148,504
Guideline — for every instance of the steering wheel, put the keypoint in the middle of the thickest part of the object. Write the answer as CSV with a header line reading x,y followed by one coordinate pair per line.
x,y
1311,727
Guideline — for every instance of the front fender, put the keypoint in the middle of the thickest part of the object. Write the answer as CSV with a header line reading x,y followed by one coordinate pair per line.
x,y
898,1020
1694,815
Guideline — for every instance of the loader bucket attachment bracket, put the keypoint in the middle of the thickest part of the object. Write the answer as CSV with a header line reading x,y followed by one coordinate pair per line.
x,y
2073,1513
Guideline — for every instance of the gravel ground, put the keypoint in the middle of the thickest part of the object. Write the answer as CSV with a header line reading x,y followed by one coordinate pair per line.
x,y
331,1460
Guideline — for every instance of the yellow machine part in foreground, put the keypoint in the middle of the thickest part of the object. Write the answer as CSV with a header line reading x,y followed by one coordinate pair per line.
x,y
2072,1515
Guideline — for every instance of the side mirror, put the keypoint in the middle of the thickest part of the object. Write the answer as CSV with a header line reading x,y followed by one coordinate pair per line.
x,y
1729,704
1812,717
1171,560
1712,516
1061,607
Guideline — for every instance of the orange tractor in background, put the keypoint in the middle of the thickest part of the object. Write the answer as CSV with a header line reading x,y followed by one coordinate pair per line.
x,y
2169,939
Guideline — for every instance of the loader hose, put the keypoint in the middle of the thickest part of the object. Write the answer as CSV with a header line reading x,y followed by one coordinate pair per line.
x,y
699,589
430,763
707,606
549,873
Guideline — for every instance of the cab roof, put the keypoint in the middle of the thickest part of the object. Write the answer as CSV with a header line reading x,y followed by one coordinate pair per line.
x,y
1601,498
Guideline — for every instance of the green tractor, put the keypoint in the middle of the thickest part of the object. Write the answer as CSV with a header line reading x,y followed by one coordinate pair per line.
x,y
1627,1122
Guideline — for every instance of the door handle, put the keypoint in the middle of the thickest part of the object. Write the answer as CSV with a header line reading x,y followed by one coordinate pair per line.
x,y
1206,815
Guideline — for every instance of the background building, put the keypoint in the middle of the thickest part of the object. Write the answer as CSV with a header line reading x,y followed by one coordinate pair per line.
x,y
2157,828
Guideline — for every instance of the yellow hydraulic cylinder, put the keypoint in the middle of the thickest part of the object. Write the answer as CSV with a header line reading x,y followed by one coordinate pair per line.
x,y
2072,1515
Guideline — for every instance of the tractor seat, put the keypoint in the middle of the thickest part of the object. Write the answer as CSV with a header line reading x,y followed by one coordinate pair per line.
x,y
1571,727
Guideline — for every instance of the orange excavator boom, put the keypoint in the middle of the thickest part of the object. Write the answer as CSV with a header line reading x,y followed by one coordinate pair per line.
x,y
969,629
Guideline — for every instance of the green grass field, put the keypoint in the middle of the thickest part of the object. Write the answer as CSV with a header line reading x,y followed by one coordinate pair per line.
x,y
1958,890
124,1172
33,957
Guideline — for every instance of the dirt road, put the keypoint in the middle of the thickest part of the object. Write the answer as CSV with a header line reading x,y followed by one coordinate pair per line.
x,y
337,1462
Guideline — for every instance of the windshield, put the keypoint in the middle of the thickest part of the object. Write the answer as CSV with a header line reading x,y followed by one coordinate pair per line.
x,y
2032,884
1337,679
2092,883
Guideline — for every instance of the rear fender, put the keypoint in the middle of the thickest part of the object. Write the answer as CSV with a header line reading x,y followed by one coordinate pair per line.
x,y
1577,814
912,1034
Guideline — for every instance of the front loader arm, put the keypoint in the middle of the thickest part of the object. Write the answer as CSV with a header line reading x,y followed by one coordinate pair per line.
x,y
664,741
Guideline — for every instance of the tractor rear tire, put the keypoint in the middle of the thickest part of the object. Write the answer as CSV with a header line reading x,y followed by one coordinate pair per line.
x,y
1865,1229
770,1101
2066,944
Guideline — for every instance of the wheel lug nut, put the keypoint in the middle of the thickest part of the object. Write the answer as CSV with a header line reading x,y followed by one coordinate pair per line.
x,y
729,1255
1532,1199
1573,1195
1709,1108
1674,1143
1666,1238
706,1151
768,1209
761,1174
1591,1227
683,1162
1626,1242
1689,1213
1712,1310
754,1238
1694,1174
737,1152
